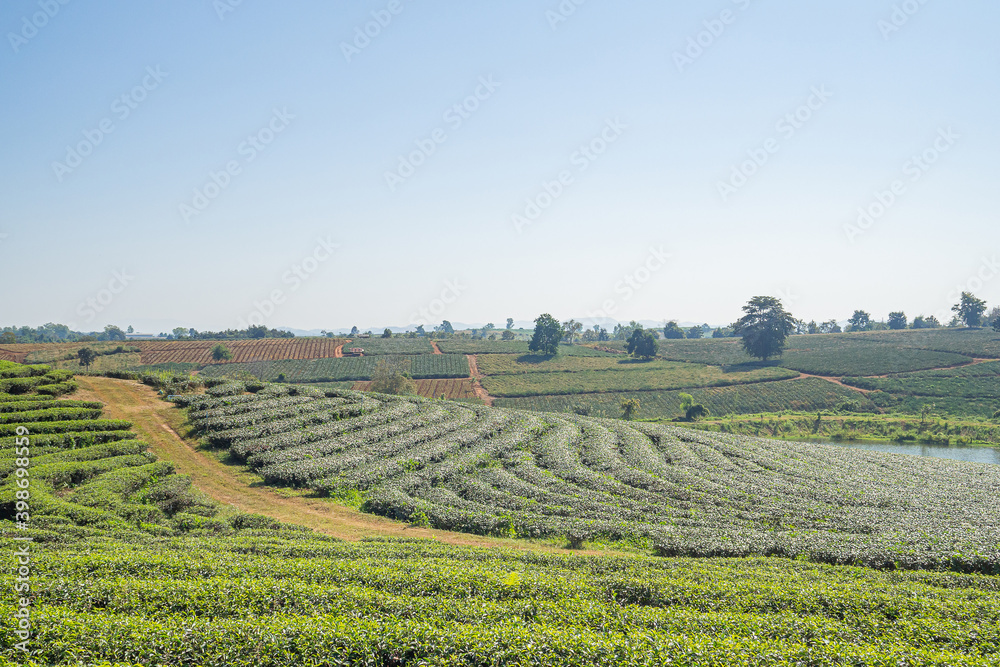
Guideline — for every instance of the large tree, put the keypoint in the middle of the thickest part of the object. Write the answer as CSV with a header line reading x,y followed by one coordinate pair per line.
x,y
392,376
572,328
897,320
860,321
642,344
548,333
970,310
764,327
672,330
86,356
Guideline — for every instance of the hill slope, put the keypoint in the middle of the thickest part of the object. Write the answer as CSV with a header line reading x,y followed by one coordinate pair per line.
x,y
512,473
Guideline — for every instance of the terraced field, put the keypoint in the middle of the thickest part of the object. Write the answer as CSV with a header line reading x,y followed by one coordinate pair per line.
x,y
424,366
512,473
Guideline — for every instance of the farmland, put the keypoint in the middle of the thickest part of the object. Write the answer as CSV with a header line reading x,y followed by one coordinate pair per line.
x,y
659,376
806,394
378,346
425,366
973,381
463,346
272,598
501,472
182,351
133,565
451,389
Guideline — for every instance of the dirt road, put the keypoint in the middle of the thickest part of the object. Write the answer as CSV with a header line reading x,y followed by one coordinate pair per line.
x,y
477,385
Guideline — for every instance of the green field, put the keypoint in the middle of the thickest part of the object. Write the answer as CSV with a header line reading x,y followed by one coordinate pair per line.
x,y
807,394
271,598
377,346
656,376
972,381
424,366
466,346
522,474
132,565
840,354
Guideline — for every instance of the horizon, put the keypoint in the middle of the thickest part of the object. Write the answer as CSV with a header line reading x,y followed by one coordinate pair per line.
x,y
227,163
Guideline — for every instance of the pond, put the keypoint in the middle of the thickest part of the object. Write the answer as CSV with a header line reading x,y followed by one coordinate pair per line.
x,y
953,452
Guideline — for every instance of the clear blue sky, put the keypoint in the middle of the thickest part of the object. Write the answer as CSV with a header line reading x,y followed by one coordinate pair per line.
x,y
310,130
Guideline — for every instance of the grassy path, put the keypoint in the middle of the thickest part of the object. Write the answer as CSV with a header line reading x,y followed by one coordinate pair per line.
x,y
162,425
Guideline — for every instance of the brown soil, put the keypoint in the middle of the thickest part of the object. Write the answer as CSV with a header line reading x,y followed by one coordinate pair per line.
x,y
477,385
437,350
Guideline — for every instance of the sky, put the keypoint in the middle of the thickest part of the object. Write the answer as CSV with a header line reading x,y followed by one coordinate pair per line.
x,y
319,165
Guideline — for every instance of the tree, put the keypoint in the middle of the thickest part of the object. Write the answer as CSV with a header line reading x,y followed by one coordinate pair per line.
x,y
257,332
630,407
692,410
572,329
387,333
489,327
718,333
391,376
221,353
111,332
860,321
897,320
671,330
642,344
695,332
8,337
420,330
995,323
602,334
830,326
130,329
86,356
548,333
970,310
921,322
507,335
510,323
764,327
354,331
445,328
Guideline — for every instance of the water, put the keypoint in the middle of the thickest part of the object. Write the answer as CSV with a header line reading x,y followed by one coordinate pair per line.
x,y
953,452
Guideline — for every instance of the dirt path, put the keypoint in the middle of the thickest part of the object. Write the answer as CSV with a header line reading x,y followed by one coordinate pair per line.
x,y
477,385
834,381
437,350
162,425
338,351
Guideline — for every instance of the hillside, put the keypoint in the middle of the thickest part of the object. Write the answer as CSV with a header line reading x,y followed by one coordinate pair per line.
x,y
513,473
